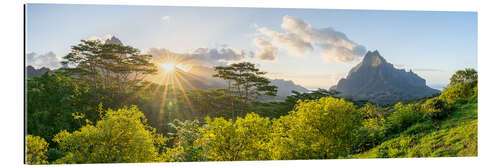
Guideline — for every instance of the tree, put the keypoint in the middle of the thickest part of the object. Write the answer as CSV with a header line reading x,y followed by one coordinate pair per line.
x,y
372,131
187,145
245,139
316,129
35,150
403,117
435,109
463,85
109,69
469,75
120,136
315,94
246,82
53,101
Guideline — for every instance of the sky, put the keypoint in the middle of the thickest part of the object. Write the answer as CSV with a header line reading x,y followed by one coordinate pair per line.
x,y
312,47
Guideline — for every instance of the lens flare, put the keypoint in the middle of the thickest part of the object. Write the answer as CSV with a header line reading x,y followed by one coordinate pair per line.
x,y
169,67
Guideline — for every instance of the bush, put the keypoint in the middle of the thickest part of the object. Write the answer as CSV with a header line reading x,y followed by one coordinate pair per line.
x,y
463,85
245,139
52,99
186,144
53,154
435,109
372,130
455,92
35,150
316,129
121,136
403,117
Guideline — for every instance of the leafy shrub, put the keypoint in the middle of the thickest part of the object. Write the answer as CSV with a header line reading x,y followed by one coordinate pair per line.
x,y
52,99
452,93
121,136
53,154
316,129
245,139
403,117
372,130
186,147
435,109
35,150
463,85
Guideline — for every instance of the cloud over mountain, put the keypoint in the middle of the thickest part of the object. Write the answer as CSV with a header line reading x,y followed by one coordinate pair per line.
x,y
49,60
199,56
300,38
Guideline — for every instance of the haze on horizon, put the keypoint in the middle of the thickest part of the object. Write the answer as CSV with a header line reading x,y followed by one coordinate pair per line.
x,y
312,47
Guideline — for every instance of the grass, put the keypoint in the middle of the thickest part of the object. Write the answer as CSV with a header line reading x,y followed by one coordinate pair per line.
x,y
455,136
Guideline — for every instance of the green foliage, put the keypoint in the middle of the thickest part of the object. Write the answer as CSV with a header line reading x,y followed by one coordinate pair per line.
x,y
372,130
110,70
463,85
53,154
458,91
52,101
403,117
282,108
186,147
61,109
35,150
245,139
316,129
316,94
468,75
246,82
453,136
163,108
121,136
435,109
458,141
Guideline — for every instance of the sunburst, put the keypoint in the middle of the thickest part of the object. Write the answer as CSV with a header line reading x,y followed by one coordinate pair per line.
x,y
172,73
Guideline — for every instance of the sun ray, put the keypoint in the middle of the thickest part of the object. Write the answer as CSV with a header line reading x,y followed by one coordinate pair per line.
x,y
188,101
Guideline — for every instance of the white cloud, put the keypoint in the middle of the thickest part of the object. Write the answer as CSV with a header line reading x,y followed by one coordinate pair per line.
x,y
293,43
166,18
300,37
49,60
266,49
199,56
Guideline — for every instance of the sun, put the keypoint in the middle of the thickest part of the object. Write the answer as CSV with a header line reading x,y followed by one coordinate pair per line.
x,y
169,67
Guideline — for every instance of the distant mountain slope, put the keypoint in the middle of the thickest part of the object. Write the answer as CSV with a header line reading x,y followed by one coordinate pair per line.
x,y
201,78
33,72
285,88
376,80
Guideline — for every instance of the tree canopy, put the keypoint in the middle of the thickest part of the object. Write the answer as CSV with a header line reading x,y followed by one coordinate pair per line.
x,y
120,136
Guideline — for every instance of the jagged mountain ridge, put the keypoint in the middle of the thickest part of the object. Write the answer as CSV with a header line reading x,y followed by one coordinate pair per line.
x,y
376,80
33,72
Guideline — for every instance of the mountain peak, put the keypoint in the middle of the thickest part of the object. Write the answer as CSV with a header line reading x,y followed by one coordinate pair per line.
x,y
373,59
377,80
112,40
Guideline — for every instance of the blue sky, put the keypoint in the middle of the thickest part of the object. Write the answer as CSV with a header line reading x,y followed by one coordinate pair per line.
x,y
432,44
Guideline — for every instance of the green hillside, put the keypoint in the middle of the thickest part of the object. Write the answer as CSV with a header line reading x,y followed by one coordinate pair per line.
x,y
451,137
